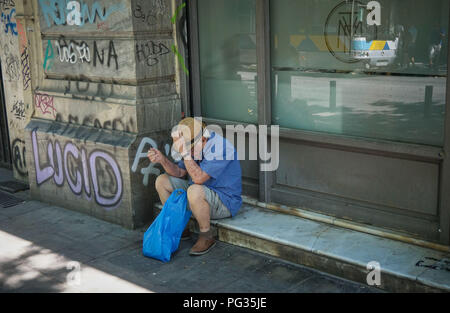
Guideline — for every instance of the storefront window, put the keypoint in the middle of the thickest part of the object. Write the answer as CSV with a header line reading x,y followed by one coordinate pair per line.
x,y
374,69
228,59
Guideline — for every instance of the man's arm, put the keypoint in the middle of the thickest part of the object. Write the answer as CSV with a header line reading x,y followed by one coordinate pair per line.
x,y
198,176
172,169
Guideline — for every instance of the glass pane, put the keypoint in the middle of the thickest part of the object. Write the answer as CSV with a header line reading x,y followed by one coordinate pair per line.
x,y
374,69
228,59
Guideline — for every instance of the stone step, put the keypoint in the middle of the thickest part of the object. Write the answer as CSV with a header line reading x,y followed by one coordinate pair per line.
x,y
335,250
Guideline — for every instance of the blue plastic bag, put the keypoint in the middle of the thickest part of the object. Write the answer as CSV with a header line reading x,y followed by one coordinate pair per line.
x,y
162,238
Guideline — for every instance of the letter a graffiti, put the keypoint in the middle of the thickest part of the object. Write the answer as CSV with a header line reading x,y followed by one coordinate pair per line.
x,y
141,154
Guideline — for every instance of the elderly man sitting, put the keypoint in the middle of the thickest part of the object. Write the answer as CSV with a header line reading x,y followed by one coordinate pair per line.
x,y
215,182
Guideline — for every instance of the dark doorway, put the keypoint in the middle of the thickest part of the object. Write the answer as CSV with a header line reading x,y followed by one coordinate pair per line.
x,y
5,154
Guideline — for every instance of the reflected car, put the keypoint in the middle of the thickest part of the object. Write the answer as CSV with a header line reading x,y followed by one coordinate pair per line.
x,y
375,53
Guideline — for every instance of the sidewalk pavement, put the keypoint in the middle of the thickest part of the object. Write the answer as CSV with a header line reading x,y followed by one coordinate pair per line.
x,y
44,248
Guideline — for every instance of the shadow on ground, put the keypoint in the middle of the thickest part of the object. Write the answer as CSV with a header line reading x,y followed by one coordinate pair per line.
x,y
40,243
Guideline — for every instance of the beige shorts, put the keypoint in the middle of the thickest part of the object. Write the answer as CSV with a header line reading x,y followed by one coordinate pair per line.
x,y
217,209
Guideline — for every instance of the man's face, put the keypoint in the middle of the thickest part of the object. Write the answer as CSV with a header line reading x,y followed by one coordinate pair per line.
x,y
178,142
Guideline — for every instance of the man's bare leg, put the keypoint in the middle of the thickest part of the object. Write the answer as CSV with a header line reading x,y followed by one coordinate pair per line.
x,y
163,187
199,206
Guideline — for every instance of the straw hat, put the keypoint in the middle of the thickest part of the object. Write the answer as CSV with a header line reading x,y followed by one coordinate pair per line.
x,y
191,129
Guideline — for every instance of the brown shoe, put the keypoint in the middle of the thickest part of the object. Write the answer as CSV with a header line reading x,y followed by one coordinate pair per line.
x,y
204,243
186,235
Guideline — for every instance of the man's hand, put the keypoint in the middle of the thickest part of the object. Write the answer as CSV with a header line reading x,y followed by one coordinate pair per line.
x,y
179,145
155,155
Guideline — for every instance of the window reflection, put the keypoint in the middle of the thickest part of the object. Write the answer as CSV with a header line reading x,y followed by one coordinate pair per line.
x,y
363,68
228,59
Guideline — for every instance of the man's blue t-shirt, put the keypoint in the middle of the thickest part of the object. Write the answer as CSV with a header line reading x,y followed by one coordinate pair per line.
x,y
220,161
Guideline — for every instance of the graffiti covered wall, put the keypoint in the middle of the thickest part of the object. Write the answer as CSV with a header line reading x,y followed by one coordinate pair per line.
x,y
107,80
16,68
69,166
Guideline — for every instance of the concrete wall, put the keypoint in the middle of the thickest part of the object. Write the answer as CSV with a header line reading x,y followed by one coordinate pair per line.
x,y
103,92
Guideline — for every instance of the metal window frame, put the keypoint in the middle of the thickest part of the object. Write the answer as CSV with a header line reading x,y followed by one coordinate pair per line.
x,y
182,23
444,194
408,151
264,87
195,57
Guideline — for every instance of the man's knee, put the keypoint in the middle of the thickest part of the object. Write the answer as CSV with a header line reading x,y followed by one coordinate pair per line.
x,y
195,193
162,183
